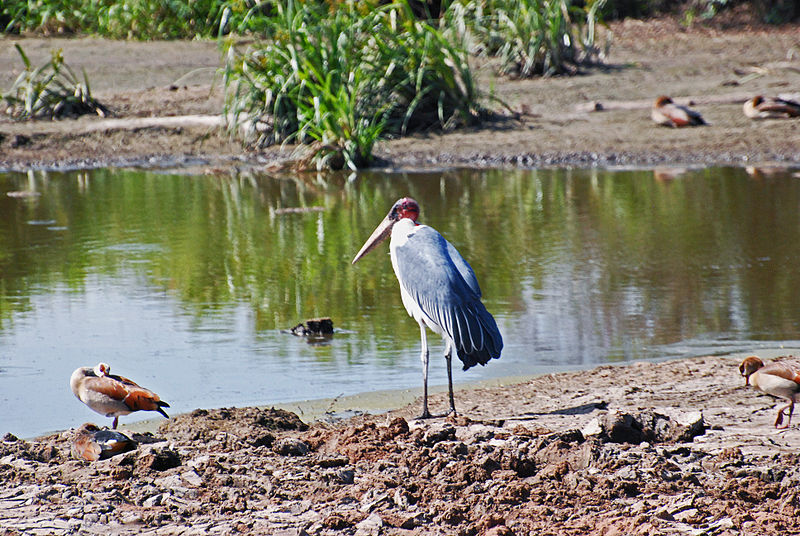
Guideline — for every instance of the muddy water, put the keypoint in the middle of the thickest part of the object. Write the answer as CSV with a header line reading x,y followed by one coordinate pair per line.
x,y
184,283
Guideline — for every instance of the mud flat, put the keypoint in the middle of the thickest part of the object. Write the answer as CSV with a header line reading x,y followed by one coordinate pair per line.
x,y
150,87
679,447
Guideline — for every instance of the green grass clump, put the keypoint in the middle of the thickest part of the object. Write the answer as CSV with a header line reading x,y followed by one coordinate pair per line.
x,y
51,91
341,77
530,37
133,19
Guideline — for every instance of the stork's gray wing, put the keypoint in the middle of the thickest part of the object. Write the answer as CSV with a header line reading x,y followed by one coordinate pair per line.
x,y
463,268
438,278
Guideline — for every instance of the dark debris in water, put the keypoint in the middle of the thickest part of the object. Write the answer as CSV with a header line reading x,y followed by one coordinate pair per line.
x,y
314,326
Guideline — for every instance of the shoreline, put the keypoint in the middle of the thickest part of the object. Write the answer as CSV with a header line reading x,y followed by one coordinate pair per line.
x,y
385,401
679,446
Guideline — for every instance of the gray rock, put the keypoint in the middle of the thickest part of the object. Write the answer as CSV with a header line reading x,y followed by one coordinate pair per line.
x,y
647,426
290,446
371,526
437,433
150,502
345,476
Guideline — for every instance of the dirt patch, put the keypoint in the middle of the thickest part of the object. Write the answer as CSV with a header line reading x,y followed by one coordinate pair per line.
x,y
651,448
549,121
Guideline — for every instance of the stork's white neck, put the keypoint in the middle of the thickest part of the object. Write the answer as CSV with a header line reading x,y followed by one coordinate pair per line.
x,y
402,231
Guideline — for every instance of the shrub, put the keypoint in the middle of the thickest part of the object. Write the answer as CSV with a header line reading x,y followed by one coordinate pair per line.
x,y
529,36
132,19
343,79
50,91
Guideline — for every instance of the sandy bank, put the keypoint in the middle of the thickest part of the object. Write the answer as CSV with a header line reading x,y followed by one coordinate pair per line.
x,y
551,455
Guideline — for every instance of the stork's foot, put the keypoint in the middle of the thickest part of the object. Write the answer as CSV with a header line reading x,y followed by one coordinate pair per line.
x,y
425,415
429,415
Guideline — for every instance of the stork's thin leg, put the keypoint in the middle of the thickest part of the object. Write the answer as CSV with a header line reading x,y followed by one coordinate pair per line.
x,y
448,355
424,357
114,426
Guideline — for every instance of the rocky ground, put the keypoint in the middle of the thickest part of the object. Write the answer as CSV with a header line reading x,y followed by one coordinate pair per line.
x,y
552,121
680,447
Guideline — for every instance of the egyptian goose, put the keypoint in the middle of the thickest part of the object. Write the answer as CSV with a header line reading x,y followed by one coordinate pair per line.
x,y
667,113
777,379
112,395
90,443
760,107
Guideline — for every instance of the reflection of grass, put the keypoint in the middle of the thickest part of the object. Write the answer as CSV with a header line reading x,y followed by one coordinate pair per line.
x,y
50,91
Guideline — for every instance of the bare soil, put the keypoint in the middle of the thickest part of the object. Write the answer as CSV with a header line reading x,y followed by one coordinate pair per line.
x,y
680,447
548,121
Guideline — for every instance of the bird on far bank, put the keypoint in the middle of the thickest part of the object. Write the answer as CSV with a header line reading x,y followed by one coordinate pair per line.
x,y
666,113
91,443
439,290
780,379
111,395
761,107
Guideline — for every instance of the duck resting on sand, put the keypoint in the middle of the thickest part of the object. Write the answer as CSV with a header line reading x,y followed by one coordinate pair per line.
x,y
90,443
666,113
761,107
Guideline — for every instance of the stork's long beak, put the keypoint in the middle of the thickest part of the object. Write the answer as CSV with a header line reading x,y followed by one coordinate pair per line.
x,y
378,235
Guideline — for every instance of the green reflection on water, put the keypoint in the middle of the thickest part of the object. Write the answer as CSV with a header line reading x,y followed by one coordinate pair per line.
x,y
611,260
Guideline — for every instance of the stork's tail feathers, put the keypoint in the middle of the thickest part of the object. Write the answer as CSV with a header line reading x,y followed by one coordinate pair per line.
x,y
477,338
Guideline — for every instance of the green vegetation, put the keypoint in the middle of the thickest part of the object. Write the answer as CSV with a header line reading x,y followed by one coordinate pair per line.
x,y
51,91
341,80
529,36
174,19
128,19
340,77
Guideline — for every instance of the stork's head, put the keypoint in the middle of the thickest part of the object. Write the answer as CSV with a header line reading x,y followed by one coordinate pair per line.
x,y
403,208
749,366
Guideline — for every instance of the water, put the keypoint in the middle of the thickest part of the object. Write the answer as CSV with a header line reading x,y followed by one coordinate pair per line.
x,y
184,283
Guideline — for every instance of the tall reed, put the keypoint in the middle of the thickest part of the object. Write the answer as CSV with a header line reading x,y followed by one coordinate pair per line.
x,y
51,91
132,19
531,37
344,77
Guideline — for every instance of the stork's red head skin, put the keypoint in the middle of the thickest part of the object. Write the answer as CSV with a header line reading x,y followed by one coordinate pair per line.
x,y
405,208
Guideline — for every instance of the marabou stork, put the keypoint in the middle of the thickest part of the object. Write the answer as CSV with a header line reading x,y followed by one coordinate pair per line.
x,y
439,290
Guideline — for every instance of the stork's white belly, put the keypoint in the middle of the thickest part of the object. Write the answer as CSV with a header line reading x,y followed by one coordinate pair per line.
x,y
401,231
